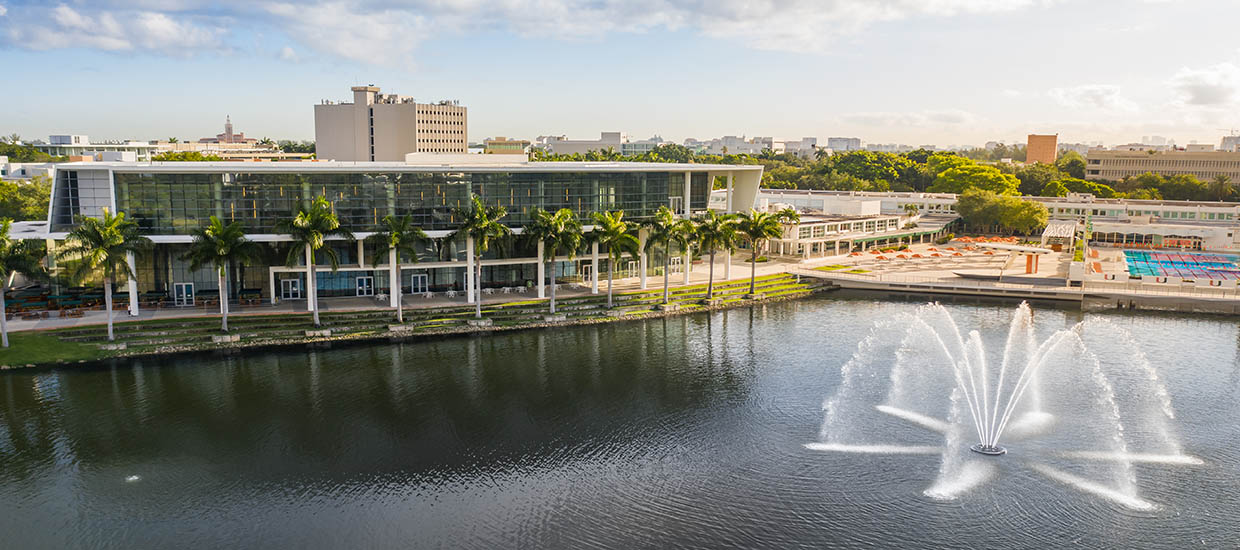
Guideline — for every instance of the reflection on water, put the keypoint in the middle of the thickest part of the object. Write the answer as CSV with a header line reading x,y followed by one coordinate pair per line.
x,y
681,431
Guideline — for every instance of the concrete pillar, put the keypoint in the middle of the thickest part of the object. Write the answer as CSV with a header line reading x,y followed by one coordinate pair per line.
x,y
310,296
641,257
133,285
361,253
727,265
688,179
542,272
594,268
271,285
469,270
731,206
688,264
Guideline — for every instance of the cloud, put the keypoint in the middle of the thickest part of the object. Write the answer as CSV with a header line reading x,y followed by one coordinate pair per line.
x,y
390,32
3,10
1106,97
1213,86
287,53
62,26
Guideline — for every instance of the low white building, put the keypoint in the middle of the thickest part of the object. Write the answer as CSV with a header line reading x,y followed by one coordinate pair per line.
x,y
74,145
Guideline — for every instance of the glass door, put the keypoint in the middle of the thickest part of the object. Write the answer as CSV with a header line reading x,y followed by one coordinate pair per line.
x,y
366,286
418,283
183,294
290,289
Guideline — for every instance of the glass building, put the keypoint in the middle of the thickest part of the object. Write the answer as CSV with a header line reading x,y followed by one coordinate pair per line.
x,y
170,200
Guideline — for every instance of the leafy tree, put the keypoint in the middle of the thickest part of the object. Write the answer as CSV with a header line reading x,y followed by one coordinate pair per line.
x,y
1085,186
221,246
871,165
559,231
942,162
309,230
715,233
24,153
616,237
665,229
988,209
1034,177
975,176
757,228
1072,164
396,238
185,156
481,223
25,200
16,256
104,244
1054,189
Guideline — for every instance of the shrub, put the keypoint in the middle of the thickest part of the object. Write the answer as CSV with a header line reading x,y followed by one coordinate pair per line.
x,y
945,238
760,259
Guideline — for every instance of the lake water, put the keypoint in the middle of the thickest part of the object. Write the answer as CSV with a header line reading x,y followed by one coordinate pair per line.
x,y
687,431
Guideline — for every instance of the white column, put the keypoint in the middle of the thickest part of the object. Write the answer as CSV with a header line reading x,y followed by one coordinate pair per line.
x,y
688,178
361,253
730,204
688,264
594,268
542,272
133,285
271,285
394,281
641,257
727,265
469,270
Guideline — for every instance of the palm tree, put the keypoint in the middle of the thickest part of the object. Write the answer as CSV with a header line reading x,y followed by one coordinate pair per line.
x,y
757,228
16,256
1220,187
715,233
788,215
561,230
666,229
910,210
173,140
615,235
481,223
104,244
398,237
221,246
309,230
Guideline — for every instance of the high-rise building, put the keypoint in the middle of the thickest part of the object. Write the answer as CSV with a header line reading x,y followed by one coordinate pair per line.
x,y
1042,148
1205,165
386,127
843,144
1230,144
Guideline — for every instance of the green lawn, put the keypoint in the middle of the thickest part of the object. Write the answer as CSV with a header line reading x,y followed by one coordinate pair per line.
x,y
42,347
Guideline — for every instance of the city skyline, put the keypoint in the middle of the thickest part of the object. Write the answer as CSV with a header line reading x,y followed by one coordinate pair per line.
x,y
1090,71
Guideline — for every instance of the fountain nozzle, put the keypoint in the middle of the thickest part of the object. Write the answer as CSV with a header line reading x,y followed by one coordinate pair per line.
x,y
988,450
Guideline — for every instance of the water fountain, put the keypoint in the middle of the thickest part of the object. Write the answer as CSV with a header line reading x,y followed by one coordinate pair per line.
x,y
1083,405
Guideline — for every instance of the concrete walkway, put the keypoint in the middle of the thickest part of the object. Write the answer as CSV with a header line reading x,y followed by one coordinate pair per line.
x,y
697,275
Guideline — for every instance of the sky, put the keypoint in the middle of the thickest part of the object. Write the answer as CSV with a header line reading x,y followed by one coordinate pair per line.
x,y
943,72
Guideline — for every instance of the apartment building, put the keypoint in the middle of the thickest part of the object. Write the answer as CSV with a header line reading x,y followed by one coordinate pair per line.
x,y
377,127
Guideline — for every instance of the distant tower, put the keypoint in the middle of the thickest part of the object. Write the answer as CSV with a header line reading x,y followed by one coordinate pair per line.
x,y
228,128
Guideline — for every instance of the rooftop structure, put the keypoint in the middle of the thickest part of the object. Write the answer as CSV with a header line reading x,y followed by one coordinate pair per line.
x,y
377,127
80,145
505,146
228,136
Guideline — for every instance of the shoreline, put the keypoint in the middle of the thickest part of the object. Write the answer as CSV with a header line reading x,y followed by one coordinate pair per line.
x,y
358,339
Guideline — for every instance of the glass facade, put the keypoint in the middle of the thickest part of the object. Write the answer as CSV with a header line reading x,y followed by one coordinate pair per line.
x,y
176,203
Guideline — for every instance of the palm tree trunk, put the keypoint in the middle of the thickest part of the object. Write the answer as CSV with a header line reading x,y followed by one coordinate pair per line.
x,y
611,266
107,302
224,299
393,258
753,268
710,278
667,253
4,321
313,289
478,287
552,288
